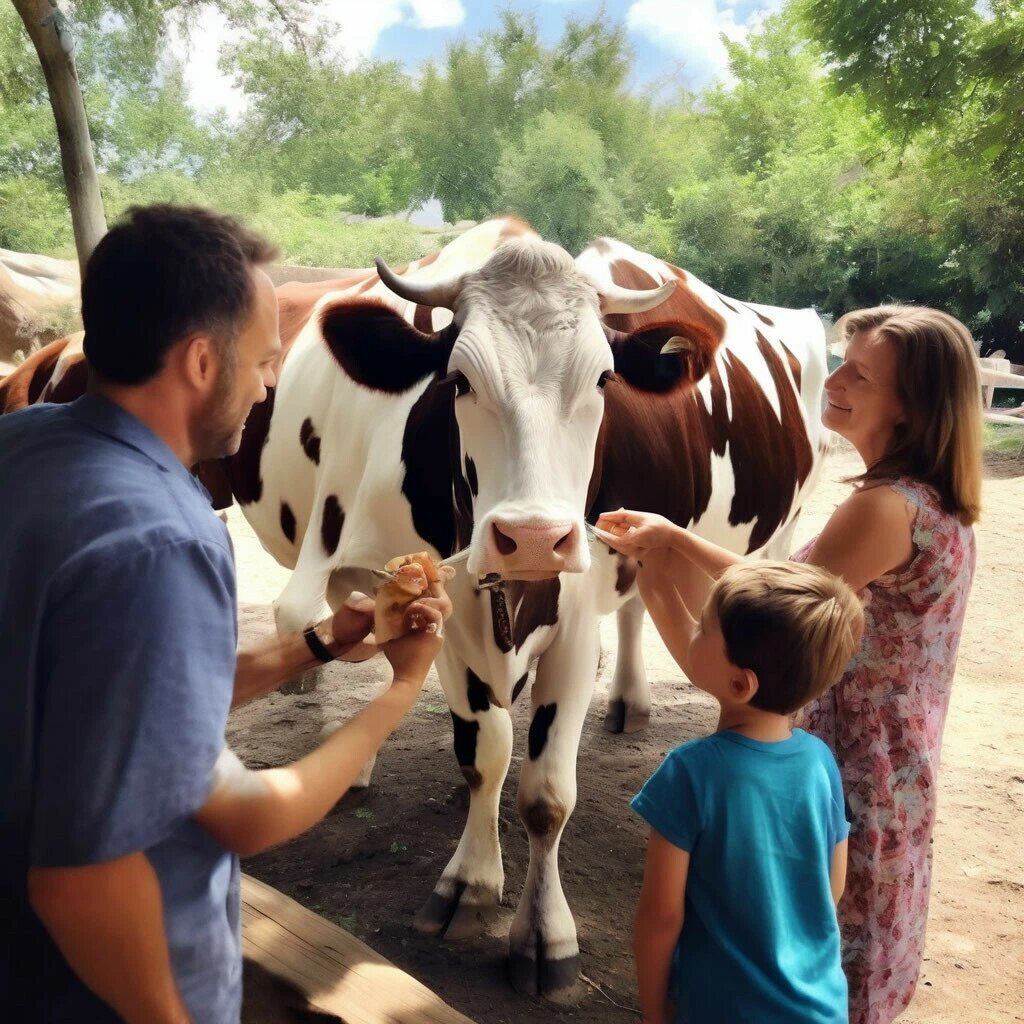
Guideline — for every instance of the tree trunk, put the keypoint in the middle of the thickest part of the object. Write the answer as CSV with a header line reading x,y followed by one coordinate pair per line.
x,y
45,25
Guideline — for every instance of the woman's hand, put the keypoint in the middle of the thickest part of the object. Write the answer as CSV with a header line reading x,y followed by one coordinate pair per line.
x,y
635,533
412,654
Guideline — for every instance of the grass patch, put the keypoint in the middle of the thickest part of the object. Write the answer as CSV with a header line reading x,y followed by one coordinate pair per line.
x,y
1001,437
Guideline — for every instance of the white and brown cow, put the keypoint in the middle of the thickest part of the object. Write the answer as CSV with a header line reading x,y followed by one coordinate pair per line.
x,y
496,397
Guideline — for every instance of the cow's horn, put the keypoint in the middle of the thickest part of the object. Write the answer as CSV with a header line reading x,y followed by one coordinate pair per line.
x,y
425,293
616,299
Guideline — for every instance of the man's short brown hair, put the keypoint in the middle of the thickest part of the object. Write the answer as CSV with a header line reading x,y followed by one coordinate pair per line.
x,y
795,626
160,275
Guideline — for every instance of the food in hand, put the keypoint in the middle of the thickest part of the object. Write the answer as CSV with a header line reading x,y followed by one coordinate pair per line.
x,y
411,575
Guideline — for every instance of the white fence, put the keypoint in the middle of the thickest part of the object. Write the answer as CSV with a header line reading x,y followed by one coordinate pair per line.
x,y
998,373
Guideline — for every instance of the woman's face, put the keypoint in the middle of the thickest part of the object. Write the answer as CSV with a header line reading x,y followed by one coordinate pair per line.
x,y
863,405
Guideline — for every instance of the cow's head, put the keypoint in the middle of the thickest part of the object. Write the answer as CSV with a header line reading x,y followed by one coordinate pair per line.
x,y
527,358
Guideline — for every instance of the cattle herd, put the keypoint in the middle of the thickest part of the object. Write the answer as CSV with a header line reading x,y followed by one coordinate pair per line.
x,y
494,398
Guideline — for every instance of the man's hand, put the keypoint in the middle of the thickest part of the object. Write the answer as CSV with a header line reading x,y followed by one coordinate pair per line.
x,y
351,626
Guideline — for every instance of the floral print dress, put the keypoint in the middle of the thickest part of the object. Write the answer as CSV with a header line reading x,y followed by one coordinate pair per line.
x,y
884,722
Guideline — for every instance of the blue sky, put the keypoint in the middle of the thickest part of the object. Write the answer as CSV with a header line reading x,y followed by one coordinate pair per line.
x,y
675,41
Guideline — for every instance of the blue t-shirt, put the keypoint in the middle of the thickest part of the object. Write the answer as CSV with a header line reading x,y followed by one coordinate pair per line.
x,y
117,660
760,940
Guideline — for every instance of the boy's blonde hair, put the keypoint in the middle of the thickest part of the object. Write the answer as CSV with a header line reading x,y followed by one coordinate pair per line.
x,y
938,382
795,626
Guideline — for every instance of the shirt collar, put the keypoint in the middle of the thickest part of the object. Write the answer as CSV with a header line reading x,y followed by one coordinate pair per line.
x,y
109,418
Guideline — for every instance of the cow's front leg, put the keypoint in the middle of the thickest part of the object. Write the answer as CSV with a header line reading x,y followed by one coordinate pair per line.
x,y
629,703
302,603
543,952
469,890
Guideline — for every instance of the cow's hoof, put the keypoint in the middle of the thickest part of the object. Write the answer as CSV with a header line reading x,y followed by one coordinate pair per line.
x,y
467,912
555,980
305,683
622,717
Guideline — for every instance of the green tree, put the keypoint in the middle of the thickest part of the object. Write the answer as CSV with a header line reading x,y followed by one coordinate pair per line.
x,y
557,179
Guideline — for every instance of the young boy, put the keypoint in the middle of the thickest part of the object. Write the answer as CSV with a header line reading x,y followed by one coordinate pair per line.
x,y
747,853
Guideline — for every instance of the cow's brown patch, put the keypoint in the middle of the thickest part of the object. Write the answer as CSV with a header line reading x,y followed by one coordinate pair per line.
x,y
399,355
423,318
24,385
464,737
296,299
728,305
654,450
438,494
760,316
331,523
243,468
518,688
544,818
310,441
531,606
537,738
513,227
288,522
625,574
72,383
683,307
478,693
471,477
794,366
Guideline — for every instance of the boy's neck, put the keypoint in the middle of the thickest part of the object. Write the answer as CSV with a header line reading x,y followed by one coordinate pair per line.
x,y
755,724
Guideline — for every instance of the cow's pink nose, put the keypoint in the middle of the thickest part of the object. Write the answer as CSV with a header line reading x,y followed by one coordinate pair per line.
x,y
526,548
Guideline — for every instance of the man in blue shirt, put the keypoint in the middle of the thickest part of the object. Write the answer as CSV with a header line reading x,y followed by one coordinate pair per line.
x,y
117,659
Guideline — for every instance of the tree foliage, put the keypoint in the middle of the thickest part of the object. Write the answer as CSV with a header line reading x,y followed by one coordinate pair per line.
x,y
864,150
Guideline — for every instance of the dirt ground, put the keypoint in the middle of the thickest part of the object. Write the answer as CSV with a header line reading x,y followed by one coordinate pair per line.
x,y
376,857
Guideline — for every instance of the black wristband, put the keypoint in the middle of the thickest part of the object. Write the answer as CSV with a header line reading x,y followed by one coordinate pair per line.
x,y
317,646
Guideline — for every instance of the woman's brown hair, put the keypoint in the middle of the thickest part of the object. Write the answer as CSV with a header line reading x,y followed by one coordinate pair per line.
x,y
939,441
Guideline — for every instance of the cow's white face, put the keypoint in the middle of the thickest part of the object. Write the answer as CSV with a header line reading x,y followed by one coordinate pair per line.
x,y
531,359
529,356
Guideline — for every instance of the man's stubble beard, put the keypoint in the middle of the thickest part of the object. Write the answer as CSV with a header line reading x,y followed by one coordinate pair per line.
x,y
221,432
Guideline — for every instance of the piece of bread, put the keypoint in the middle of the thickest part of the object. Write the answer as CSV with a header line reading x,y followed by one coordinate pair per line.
x,y
413,575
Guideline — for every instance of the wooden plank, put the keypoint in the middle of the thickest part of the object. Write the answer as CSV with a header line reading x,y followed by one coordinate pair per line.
x,y
334,970
1009,421
998,379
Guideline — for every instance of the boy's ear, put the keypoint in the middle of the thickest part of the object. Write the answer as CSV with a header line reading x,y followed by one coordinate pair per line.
x,y
744,685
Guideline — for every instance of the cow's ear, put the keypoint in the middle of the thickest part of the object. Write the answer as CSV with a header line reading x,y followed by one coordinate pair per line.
x,y
664,356
379,349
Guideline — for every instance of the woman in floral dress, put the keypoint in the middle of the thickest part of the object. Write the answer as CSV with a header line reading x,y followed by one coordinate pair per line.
x,y
908,397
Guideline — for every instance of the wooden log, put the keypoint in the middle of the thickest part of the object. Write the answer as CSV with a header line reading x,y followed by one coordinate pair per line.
x,y
335,971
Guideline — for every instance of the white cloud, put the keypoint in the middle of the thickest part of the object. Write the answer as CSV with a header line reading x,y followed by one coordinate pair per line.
x,y
355,25
692,29
438,13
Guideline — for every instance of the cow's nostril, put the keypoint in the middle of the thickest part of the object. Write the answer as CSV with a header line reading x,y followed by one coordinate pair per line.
x,y
505,544
564,542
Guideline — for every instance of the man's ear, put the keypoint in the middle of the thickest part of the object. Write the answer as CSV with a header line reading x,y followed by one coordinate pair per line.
x,y
199,361
744,685
380,349
664,356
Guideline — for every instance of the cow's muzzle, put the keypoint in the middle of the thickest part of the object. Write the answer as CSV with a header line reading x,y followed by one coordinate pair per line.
x,y
532,549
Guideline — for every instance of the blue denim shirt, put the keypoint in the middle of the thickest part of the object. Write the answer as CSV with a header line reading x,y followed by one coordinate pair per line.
x,y
117,660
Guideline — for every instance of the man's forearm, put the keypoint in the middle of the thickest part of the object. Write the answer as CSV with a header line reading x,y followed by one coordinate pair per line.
x,y
249,811
107,920
265,667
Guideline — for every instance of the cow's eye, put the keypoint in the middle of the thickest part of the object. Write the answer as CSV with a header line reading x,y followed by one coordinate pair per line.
x,y
603,379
